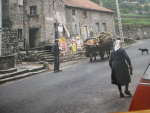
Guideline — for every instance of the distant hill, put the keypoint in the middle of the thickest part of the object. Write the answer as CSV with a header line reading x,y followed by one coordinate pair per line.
x,y
128,6
132,11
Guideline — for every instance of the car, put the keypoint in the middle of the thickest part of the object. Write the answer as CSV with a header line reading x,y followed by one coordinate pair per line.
x,y
141,97
139,111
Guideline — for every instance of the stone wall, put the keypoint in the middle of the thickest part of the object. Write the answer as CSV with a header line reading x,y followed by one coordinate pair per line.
x,y
46,17
51,13
7,62
136,32
16,14
9,42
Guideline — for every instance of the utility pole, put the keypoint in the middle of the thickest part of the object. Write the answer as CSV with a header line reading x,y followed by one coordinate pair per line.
x,y
100,2
119,21
0,27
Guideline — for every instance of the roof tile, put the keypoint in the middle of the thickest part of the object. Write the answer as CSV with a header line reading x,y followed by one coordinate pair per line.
x,y
86,4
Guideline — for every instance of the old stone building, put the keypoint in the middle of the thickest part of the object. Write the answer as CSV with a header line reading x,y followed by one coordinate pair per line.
x,y
87,18
35,19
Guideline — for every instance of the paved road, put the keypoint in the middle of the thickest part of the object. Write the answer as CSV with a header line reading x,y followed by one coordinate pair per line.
x,y
80,88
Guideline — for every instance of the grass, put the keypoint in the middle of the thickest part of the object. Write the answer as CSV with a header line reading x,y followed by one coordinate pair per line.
x,y
134,15
129,41
136,21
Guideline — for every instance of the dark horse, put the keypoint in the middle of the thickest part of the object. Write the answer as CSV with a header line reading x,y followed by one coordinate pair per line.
x,y
105,47
91,51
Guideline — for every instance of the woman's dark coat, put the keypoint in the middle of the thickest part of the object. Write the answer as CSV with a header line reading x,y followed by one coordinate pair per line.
x,y
120,62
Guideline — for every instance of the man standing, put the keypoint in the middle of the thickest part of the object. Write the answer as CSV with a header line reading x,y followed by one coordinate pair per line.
x,y
56,56
56,51
121,67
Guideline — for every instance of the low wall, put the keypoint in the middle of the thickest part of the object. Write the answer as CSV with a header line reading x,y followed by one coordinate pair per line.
x,y
136,32
7,62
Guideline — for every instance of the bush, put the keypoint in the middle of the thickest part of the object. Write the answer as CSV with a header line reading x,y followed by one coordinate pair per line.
x,y
129,41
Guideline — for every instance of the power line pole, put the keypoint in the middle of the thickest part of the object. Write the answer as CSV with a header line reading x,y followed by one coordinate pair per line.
x,y
100,2
0,27
119,21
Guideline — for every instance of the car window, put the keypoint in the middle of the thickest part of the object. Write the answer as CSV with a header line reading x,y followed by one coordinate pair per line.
x,y
147,73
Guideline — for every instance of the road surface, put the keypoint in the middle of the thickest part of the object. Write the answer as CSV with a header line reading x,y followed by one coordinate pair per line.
x,y
81,88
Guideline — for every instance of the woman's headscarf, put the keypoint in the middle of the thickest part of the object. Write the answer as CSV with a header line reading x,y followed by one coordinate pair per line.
x,y
117,45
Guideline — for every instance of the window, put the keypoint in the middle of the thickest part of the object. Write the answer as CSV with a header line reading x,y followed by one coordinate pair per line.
x,y
85,14
104,27
98,27
73,12
33,10
19,34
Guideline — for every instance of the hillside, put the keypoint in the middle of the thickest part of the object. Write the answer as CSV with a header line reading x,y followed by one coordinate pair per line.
x,y
132,11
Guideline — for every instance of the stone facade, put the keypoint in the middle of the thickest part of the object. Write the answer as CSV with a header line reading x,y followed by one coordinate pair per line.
x,y
86,25
5,13
7,62
41,16
16,14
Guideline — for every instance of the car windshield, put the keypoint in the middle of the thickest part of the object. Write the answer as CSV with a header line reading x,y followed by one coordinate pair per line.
x,y
147,73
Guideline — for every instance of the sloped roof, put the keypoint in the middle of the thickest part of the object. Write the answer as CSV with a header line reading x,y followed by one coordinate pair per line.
x,y
86,4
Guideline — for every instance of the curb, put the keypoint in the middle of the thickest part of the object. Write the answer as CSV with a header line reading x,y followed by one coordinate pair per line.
x,y
4,76
8,71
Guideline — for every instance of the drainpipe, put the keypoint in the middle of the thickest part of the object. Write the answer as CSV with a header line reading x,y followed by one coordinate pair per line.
x,y
25,26
0,27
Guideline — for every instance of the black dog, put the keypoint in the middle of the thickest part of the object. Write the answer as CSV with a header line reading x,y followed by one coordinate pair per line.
x,y
144,50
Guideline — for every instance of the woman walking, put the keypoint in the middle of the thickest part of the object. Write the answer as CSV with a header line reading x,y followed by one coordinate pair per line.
x,y
121,67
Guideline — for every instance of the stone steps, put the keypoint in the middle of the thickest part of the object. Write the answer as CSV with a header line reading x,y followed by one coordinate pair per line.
x,y
21,73
29,69
3,76
8,70
47,56
43,55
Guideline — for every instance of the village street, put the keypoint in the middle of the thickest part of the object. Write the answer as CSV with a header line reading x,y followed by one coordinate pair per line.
x,y
80,88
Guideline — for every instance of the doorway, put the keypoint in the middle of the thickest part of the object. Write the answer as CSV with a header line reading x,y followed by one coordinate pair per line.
x,y
84,32
33,37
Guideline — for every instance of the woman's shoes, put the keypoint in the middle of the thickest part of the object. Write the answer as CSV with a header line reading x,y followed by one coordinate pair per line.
x,y
56,71
127,92
121,95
